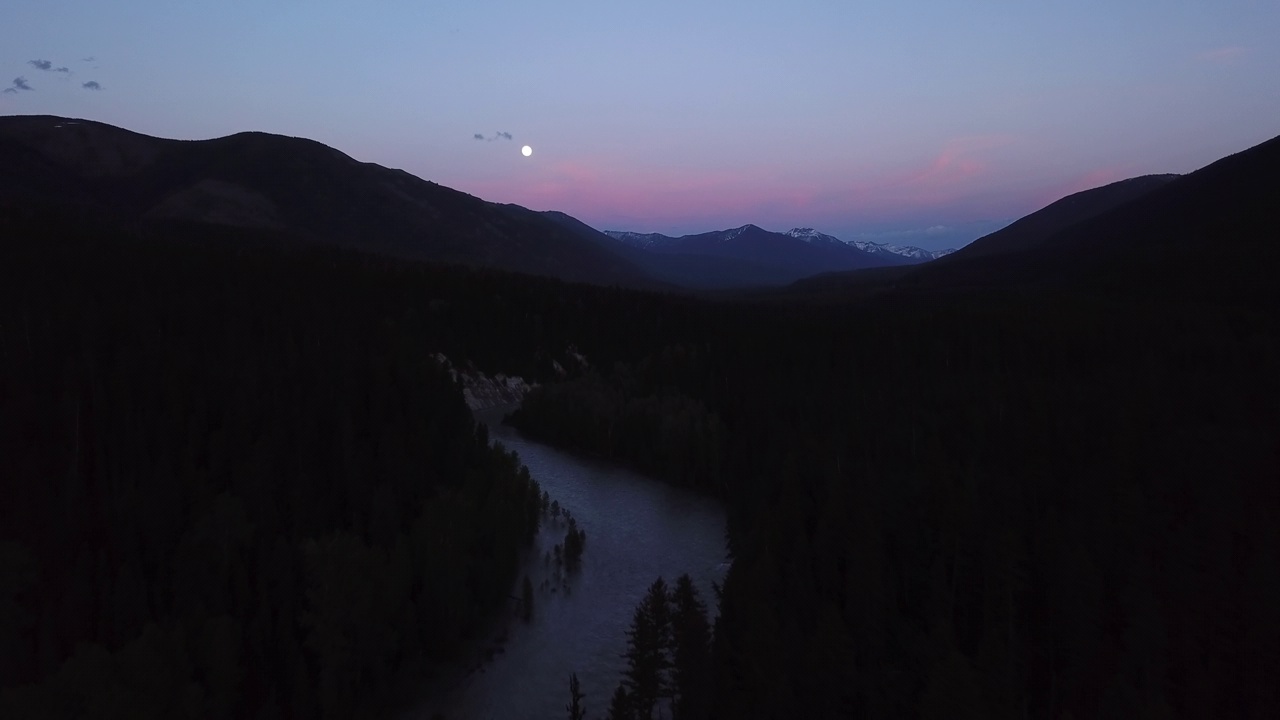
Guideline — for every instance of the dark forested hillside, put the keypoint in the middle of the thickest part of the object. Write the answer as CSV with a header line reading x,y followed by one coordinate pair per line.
x,y
1014,511
1014,506
656,429
234,482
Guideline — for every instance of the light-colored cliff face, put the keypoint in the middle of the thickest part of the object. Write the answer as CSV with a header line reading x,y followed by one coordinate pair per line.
x,y
485,391
482,391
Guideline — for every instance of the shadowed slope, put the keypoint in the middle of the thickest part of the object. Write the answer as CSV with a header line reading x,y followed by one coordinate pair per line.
x,y
1215,225
1032,230
258,180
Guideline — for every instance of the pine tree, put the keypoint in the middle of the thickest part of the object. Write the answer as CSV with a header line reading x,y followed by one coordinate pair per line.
x,y
691,652
620,707
577,711
648,648
574,540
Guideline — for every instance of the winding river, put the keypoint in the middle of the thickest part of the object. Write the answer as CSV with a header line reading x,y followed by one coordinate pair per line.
x,y
637,529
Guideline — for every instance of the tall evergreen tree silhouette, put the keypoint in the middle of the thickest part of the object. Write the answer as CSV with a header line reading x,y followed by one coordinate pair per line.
x,y
648,651
577,711
691,652
620,706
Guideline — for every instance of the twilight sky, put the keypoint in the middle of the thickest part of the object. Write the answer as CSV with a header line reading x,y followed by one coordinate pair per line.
x,y
927,122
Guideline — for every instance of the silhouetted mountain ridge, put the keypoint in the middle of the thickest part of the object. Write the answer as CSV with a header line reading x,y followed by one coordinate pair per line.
x,y
688,270
1144,237
1034,229
783,258
260,180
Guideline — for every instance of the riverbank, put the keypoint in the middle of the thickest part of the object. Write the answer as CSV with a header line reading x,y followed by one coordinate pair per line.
x,y
482,391
636,530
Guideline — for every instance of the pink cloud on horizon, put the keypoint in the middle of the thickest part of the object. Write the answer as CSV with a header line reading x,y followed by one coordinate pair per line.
x,y
957,163
956,172
1223,55
593,188
956,178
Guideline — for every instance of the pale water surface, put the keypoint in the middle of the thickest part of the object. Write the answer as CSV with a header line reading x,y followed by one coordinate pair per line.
x,y
637,529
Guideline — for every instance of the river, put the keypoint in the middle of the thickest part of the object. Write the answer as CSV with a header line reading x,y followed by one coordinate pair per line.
x,y
637,529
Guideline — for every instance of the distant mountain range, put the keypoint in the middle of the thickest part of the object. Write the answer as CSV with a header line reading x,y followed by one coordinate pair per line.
x,y
883,250
780,257
300,189
887,254
688,270
763,258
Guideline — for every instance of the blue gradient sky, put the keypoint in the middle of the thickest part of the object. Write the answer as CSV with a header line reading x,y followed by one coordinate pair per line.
x,y
920,121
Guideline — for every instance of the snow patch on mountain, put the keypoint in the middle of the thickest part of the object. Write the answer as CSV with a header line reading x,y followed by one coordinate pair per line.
x,y
814,237
909,251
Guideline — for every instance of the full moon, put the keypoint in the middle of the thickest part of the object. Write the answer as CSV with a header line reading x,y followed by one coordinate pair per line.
x,y
526,151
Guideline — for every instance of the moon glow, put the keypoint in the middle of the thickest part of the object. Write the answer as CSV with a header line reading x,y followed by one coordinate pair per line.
x,y
526,151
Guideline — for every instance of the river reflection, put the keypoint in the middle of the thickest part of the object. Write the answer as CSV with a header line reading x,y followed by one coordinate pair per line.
x,y
637,529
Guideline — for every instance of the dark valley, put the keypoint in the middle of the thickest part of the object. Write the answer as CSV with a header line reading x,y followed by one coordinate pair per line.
x,y
1036,477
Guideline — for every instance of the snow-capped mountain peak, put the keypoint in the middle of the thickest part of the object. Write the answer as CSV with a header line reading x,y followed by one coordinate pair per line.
x,y
810,235
908,251
731,234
